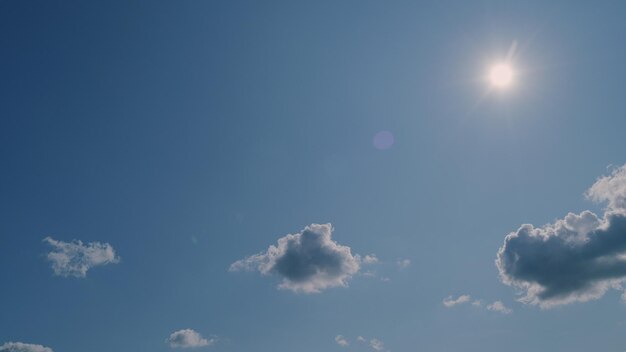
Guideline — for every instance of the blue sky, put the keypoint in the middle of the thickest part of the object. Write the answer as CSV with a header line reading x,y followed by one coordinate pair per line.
x,y
174,139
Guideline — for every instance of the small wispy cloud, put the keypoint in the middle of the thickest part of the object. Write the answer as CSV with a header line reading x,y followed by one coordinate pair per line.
x,y
23,347
498,306
370,259
373,343
341,341
75,258
189,338
450,301
369,273
377,344
403,263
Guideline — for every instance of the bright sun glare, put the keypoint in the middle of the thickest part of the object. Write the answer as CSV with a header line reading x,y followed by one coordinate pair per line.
x,y
501,75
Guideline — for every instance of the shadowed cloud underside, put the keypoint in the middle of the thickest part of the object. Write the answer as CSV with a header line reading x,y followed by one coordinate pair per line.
x,y
575,259
308,261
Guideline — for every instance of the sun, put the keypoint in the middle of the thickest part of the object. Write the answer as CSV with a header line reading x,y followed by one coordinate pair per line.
x,y
501,75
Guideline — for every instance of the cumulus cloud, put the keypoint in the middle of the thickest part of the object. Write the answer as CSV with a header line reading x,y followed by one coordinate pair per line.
x,y
188,338
341,341
23,347
450,301
308,261
498,306
575,259
75,258
403,263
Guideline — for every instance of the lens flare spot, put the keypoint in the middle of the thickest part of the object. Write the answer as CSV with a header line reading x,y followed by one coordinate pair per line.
x,y
383,140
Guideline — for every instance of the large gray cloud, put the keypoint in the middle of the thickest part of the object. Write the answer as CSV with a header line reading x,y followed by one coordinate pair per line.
x,y
575,259
75,258
308,261
23,347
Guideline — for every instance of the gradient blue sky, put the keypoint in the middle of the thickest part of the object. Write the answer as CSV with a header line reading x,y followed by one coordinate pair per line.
x,y
191,134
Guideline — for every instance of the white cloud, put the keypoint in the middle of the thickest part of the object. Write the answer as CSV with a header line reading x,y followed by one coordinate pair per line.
x,y
308,261
377,344
403,263
450,302
575,259
188,338
75,258
341,341
23,347
374,344
610,189
370,259
498,306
